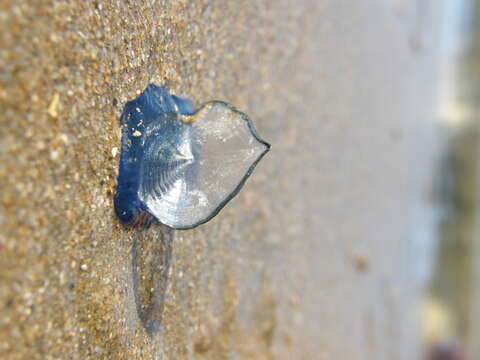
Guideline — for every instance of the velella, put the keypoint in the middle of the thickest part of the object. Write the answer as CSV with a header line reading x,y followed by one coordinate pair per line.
x,y
180,166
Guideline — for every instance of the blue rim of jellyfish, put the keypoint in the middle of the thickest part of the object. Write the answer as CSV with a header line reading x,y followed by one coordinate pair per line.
x,y
184,107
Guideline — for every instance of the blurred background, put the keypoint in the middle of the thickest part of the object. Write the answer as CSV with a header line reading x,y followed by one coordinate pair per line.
x,y
450,313
357,237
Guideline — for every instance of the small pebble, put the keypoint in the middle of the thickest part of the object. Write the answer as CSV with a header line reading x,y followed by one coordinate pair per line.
x,y
52,109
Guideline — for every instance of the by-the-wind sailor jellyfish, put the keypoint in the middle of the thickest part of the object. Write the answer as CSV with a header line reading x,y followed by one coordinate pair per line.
x,y
180,166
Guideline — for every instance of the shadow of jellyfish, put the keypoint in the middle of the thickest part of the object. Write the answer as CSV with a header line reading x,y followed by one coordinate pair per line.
x,y
150,266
